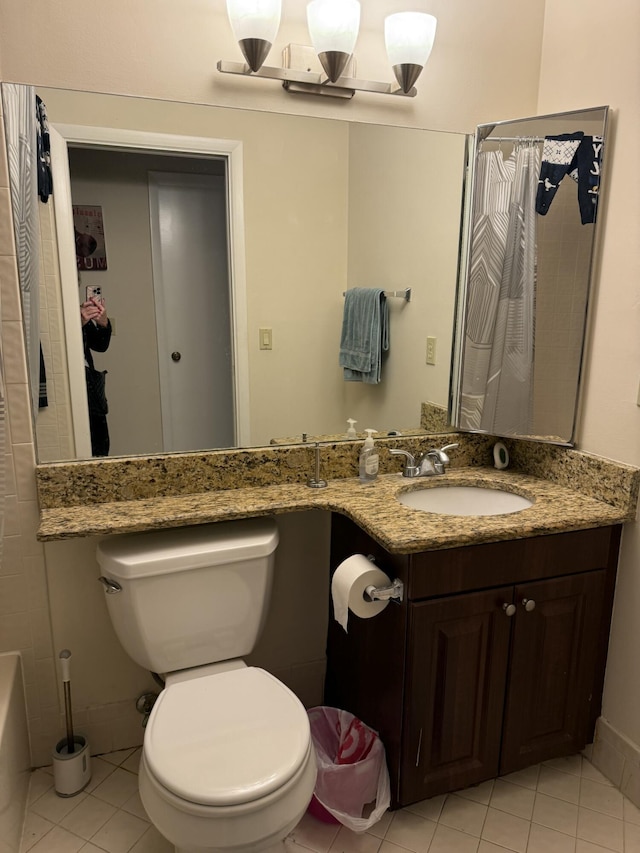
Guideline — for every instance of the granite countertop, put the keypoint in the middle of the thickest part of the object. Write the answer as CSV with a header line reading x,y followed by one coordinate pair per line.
x,y
373,507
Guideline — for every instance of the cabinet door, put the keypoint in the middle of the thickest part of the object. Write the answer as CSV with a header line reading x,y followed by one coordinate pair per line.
x,y
456,677
552,669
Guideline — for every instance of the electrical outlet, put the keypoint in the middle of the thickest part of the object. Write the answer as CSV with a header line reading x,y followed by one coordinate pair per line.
x,y
431,350
266,338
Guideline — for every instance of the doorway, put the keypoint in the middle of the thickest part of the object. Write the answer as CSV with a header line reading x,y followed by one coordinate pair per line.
x,y
203,403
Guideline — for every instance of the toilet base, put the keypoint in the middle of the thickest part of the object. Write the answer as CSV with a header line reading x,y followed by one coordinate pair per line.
x,y
246,828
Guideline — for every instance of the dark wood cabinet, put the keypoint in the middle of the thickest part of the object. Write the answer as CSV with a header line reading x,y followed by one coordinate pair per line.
x,y
458,650
494,662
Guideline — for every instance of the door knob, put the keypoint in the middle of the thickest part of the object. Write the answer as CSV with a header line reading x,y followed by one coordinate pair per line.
x,y
509,609
528,604
176,356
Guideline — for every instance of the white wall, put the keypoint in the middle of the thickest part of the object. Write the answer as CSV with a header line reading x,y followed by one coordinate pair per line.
x,y
485,66
578,71
404,220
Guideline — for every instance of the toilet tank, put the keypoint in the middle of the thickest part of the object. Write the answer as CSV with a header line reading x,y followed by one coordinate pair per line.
x,y
190,595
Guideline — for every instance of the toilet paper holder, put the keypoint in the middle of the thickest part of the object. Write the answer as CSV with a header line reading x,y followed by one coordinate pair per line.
x,y
393,592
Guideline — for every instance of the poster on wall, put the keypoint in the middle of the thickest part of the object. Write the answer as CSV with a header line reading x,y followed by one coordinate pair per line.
x,y
91,253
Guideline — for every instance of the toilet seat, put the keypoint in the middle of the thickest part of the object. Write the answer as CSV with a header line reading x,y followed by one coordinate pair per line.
x,y
226,739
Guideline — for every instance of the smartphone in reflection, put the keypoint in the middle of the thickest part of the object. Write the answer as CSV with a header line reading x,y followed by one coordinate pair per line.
x,y
94,291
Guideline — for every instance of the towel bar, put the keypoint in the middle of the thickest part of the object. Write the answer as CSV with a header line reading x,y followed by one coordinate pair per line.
x,y
395,294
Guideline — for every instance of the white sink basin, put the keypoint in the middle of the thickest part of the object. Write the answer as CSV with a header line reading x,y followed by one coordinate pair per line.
x,y
464,500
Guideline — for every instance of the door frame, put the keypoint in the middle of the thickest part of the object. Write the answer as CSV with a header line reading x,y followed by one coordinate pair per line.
x,y
64,136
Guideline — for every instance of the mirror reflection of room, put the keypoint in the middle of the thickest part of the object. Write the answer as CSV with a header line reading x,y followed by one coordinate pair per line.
x,y
346,189
339,208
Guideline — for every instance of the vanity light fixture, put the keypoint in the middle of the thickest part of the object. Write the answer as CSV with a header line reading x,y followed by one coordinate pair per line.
x,y
328,68
255,25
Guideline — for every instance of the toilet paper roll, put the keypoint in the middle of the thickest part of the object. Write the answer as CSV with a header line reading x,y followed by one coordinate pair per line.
x,y
349,582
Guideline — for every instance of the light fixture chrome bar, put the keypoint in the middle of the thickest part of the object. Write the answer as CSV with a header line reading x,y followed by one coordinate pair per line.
x,y
314,79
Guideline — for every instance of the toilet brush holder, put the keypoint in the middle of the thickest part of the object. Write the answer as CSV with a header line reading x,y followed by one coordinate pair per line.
x,y
71,770
71,759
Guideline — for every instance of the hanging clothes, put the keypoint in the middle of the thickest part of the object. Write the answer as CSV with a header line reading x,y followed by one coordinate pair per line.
x,y
43,396
585,171
43,145
558,155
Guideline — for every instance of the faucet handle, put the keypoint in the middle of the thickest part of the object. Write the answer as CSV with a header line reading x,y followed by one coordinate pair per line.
x,y
439,457
443,452
410,468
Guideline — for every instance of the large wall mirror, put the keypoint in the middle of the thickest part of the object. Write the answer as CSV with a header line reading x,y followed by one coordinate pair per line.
x,y
278,216
524,291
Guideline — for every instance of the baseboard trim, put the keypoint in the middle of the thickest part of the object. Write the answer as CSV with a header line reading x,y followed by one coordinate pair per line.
x,y
618,758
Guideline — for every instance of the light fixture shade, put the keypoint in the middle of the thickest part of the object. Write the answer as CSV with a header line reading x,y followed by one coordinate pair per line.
x,y
409,38
255,25
333,27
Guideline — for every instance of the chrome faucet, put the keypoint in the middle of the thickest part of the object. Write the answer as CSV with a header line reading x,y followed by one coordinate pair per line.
x,y
439,458
430,463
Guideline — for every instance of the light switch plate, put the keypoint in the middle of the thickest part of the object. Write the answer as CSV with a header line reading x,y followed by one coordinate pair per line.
x,y
266,338
431,350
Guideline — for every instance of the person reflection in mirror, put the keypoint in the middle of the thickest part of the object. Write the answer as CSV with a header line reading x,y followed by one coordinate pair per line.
x,y
96,336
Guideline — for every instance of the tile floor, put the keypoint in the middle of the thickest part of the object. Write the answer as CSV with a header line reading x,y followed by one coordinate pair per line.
x,y
561,806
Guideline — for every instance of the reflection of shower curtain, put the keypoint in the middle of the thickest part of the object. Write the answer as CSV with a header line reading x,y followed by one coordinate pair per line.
x,y
497,377
19,104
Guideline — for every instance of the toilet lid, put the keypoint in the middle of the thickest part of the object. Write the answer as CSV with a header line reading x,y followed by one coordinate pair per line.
x,y
226,739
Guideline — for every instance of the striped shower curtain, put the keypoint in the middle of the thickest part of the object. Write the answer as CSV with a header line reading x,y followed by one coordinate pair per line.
x,y
19,106
497,372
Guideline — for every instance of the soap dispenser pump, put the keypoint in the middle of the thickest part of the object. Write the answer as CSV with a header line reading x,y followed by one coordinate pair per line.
x,y
368,462
351,432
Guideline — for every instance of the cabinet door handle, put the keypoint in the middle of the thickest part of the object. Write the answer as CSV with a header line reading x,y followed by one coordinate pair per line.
x,y
509,609
528,604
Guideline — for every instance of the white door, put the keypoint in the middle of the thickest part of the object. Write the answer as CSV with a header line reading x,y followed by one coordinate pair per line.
x,y
189,244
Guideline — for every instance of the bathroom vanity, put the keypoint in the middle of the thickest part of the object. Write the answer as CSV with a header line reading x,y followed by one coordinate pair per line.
x,y
463,679
493,662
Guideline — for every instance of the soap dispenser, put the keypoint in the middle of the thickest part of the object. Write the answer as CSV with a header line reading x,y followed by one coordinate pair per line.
x,y
368,463
351,432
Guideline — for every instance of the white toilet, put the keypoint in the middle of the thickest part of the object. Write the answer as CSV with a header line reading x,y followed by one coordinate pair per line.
x,y
227,763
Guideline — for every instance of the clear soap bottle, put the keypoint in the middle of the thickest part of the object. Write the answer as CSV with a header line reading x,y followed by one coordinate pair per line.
x,y
368,462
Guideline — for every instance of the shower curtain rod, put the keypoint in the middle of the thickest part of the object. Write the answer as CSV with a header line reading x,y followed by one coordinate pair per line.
x,y
512,139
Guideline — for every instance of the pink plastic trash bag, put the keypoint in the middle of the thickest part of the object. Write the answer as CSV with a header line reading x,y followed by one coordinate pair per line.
x,y
353,781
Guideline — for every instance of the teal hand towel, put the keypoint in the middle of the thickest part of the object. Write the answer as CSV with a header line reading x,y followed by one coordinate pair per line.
x,y
365,334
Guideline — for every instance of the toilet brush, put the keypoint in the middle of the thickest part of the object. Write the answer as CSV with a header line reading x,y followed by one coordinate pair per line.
x,y
65,658
71,760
